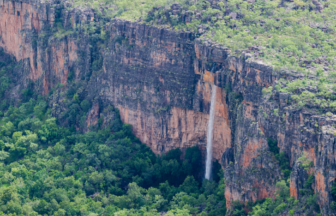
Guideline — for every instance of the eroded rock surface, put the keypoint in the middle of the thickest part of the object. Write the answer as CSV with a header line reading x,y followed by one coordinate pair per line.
x,y
161,82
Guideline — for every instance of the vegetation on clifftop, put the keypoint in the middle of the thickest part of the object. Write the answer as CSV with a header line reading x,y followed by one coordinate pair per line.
x,y
297,35
49,168
293,36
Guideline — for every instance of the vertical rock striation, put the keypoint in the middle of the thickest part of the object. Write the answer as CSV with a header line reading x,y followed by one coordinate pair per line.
x,y
160,80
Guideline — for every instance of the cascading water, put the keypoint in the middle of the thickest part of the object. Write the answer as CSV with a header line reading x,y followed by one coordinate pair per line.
x,y
208,163
213,67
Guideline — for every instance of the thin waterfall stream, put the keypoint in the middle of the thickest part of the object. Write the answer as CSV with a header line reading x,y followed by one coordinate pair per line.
x,y
208,163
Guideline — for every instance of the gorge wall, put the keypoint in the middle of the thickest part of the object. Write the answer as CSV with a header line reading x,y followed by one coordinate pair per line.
x,y
161,82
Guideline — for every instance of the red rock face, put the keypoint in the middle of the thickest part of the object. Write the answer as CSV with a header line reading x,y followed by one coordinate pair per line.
x,y
321,186
293,190
167,121
63,50
161,82
182,128
19,21
12,24
254,166
93,115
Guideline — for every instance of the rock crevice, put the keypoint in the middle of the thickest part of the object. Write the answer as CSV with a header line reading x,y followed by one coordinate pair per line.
x,y
160,80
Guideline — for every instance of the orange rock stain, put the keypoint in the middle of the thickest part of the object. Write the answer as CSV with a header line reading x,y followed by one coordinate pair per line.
x,y
184,128
208,76
293,191
250,151
320,187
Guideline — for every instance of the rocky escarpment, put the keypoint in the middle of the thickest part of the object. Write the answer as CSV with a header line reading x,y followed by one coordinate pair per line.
x,y
147,72
161,82
308,140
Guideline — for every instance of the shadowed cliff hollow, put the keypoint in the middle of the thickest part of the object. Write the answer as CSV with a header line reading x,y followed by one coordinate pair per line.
x,y
161,80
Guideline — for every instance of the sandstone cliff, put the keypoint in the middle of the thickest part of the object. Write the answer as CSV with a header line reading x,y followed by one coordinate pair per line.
x,y
161,82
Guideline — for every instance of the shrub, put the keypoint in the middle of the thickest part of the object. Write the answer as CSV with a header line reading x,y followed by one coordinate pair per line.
x,y
85,105
273,146
333,205
333,190
280,208
309,182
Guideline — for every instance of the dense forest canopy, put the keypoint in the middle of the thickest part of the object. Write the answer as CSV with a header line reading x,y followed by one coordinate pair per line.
x,y
53,166
48,169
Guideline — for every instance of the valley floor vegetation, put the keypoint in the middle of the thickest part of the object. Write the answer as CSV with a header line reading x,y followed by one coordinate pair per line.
x,y
47,169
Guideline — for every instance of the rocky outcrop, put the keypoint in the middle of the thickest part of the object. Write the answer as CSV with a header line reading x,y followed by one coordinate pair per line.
x,y
161,82
148,72
26,34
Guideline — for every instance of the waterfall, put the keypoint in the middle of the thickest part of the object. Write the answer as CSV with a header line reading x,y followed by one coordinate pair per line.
x,y
208,164
213,67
